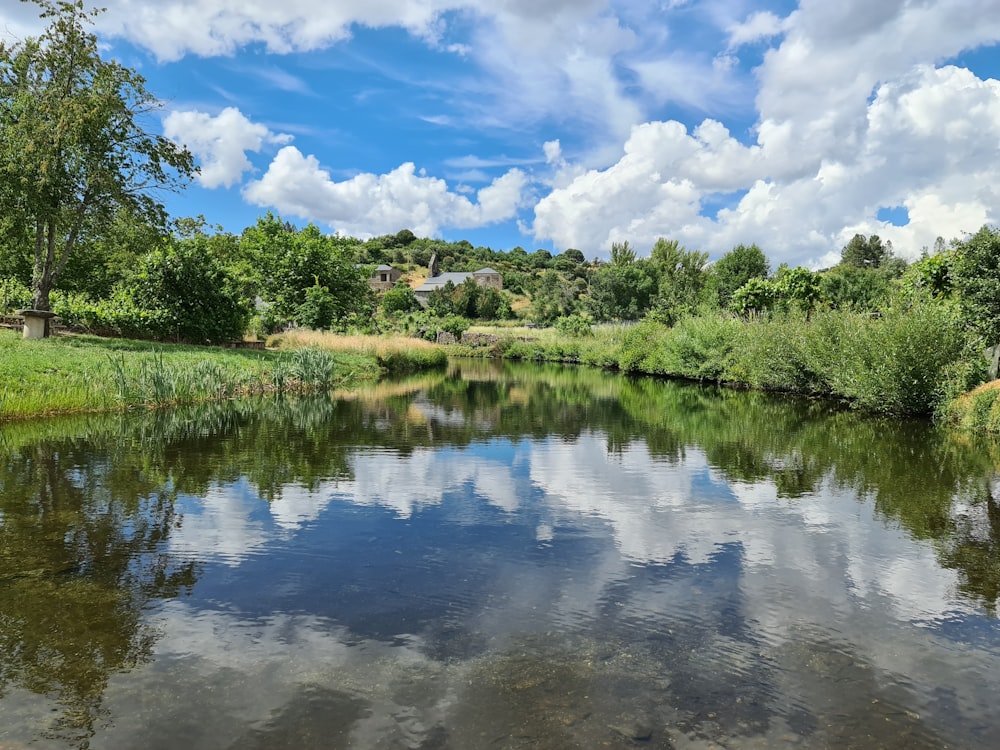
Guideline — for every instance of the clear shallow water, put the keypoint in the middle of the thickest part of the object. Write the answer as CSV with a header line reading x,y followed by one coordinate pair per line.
x,y
499,557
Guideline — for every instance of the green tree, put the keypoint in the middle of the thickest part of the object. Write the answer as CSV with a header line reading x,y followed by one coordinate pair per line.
x,y
108,253
848,287
622,253
755,297
683,276
931,274
288,262
976,276
73,149
441,301
865,252
399,299
540,259
466,299
622,292
186,294
800,286
736,268
553,297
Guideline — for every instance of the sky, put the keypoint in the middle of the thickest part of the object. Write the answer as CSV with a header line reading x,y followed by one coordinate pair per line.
x,y
578,123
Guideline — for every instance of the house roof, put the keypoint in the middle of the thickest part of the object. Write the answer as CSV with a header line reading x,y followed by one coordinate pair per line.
x,y
432,283
455,277
384,267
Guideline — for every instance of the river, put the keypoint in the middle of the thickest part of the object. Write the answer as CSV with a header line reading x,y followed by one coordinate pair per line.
x,y
499,556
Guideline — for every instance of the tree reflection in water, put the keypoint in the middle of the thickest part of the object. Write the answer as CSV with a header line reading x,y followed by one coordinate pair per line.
x,y
87,506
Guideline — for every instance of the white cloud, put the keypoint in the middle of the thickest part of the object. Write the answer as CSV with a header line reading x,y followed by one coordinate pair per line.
x,y
370,204
852,111
220,143
758,26
173,28
18,21
853,117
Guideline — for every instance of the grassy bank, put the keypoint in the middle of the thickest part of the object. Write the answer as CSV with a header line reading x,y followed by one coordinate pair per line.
x,y
909,360
976,411
68,374
396,355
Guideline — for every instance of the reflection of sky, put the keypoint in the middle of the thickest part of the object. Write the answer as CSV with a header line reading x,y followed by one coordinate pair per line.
x,y
455,550
656,511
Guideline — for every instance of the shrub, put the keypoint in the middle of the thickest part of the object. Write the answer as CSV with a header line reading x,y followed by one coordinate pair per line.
x,y
317,309
574,325
77,311
399,299
455,325
180,292
898,363
14,295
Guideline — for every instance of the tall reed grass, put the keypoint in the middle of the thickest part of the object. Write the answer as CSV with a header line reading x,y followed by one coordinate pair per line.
x,y
395,354
87,374
909,360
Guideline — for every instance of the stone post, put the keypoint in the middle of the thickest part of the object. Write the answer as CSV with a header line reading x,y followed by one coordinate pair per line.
x,y
36,323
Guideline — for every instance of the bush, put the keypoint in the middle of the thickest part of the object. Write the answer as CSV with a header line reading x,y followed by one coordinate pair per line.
x,y
181,293
772,354
77,311
317,309
901,360
574,325
455,325
399,299
14,295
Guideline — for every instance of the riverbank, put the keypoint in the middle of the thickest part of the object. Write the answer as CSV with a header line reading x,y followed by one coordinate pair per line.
x,y
911,360
976,411
72,374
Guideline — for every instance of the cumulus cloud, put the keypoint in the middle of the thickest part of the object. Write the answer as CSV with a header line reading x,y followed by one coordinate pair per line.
x,y
220,143
851,107
370,204
848,124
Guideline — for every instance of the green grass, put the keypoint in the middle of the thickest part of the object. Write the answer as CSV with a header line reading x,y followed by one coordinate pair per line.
x,y
906,361
67,374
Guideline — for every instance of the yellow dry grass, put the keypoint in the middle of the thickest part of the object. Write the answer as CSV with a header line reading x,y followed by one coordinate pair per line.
x,y
384,390
380,346
961,403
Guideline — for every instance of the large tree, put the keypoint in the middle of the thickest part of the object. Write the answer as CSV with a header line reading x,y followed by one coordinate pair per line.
x,y
865,252
976,277
74,143
290,262
683,276
736,268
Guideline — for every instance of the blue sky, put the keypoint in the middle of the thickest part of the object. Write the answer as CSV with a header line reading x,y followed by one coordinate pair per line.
x,y
576,123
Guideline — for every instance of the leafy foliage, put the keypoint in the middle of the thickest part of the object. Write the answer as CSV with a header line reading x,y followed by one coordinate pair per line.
x,y
683,279
190,296
851,288
736,268
291,262
622,253
399,299
865,252
976,276
574,325
622,291
554,297
73,150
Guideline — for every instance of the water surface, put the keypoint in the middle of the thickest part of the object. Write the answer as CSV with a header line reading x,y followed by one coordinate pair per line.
x,y
498,557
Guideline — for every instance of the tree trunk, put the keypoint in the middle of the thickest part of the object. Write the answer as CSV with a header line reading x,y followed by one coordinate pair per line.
x,y
43,275
994,355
